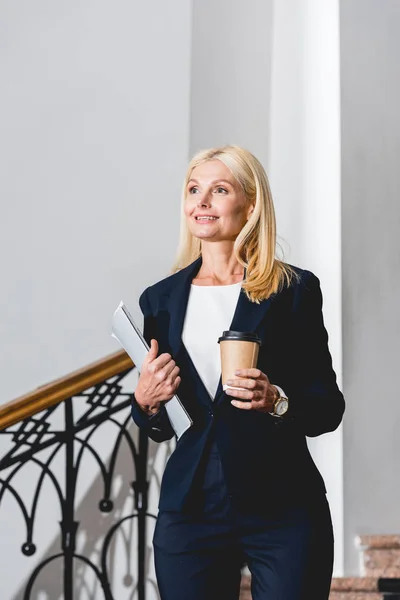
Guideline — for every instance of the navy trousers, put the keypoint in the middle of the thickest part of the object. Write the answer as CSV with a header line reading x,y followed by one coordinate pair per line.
x,y
199,556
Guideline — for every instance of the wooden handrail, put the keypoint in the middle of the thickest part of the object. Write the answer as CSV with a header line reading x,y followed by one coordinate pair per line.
x,y
65,387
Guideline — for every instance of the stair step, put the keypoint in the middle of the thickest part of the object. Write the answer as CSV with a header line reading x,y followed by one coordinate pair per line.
x,y
378,541
342,588
355,596
354,588
381,555
382,563
354,584
381,558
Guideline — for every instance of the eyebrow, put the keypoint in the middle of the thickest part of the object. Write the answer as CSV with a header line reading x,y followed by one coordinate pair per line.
x,y
212,182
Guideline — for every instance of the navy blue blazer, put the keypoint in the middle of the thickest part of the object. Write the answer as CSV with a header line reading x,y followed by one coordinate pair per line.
x,y
265,459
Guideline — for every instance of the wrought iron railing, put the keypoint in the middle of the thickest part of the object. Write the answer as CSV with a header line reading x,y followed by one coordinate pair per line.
x,y
79,430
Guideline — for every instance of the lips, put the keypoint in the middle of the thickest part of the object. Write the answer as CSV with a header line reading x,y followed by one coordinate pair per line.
x,y
205,218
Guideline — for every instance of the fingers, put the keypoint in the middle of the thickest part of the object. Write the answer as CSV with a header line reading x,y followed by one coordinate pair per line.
x,y
251,374
167,369
176,384
245,394
152,354
157,362
242,405
160,362
262,405
159,380
250,391
170,378
250,384
170,385
164,372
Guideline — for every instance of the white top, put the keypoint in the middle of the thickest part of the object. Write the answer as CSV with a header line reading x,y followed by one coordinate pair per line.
x,y
209,312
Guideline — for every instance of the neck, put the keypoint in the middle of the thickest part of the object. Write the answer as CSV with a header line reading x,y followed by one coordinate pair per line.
x,y
219,265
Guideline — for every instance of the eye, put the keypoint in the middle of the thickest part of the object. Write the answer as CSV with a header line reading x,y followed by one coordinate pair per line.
x,y
221,190
193,190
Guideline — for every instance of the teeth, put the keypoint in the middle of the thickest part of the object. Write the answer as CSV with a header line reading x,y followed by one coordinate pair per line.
x,y
206,218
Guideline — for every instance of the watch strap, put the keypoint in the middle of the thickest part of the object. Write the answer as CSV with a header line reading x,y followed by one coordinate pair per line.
x,y
282,396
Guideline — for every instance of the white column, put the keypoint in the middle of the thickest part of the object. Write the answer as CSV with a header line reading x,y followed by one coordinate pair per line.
x,y
304,168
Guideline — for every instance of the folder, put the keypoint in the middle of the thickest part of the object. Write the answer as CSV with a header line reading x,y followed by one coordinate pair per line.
x,y
125,330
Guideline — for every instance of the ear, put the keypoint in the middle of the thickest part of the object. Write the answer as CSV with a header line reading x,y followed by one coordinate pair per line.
x,y
250,211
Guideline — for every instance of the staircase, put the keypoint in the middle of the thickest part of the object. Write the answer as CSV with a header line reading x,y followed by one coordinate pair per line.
x,y
380,558
355,588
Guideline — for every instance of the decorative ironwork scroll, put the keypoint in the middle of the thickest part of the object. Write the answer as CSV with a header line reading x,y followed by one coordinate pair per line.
x,y
55,444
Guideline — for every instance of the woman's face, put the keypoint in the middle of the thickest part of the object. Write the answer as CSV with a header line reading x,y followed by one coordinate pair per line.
x,y
216,207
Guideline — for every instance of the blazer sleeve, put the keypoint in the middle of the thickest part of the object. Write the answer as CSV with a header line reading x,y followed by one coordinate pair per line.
x,y
316,403
158,426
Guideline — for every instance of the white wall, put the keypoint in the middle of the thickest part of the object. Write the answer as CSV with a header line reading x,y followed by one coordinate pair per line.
x,y
94,142
371,267
231,63
304,170
94,120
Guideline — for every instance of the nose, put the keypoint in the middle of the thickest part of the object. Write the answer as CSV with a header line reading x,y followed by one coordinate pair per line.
x,y
204,201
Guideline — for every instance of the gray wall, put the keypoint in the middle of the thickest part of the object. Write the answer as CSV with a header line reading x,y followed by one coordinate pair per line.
x,y
94,130
370,49
231,71
94,118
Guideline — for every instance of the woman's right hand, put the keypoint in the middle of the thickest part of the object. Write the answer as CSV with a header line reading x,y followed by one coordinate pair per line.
x,y
158,380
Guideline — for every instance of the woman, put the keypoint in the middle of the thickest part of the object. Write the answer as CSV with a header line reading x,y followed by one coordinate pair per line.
x,y
241,486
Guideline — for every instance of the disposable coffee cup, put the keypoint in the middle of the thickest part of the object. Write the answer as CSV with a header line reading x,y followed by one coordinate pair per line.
x,y
239,350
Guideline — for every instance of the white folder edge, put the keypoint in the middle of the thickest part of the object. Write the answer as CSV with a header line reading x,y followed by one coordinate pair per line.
x,y
126,332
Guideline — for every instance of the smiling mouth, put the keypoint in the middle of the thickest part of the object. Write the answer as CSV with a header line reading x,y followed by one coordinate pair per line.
x,y
201,219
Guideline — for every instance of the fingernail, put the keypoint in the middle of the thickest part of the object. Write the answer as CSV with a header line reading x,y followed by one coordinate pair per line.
x,y
237,372
229,382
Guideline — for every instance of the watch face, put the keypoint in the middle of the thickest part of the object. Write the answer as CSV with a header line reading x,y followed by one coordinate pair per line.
x,y
281,407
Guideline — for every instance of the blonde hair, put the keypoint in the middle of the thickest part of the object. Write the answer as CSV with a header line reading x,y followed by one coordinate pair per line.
x,y
255,246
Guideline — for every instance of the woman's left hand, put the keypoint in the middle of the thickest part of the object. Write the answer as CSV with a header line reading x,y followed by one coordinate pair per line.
x,y
257,393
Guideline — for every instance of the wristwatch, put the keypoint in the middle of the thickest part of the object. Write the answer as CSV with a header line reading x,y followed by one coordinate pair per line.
x,y
281,404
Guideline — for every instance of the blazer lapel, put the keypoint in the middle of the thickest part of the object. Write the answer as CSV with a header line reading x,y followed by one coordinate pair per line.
x,y
178,304
248,314
177,309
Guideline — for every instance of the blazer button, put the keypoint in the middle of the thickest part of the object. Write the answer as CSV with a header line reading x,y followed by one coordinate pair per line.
x,y
210,412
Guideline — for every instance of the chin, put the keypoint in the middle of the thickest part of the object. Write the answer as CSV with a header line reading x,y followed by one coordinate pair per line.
x,y
205,237
201,235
